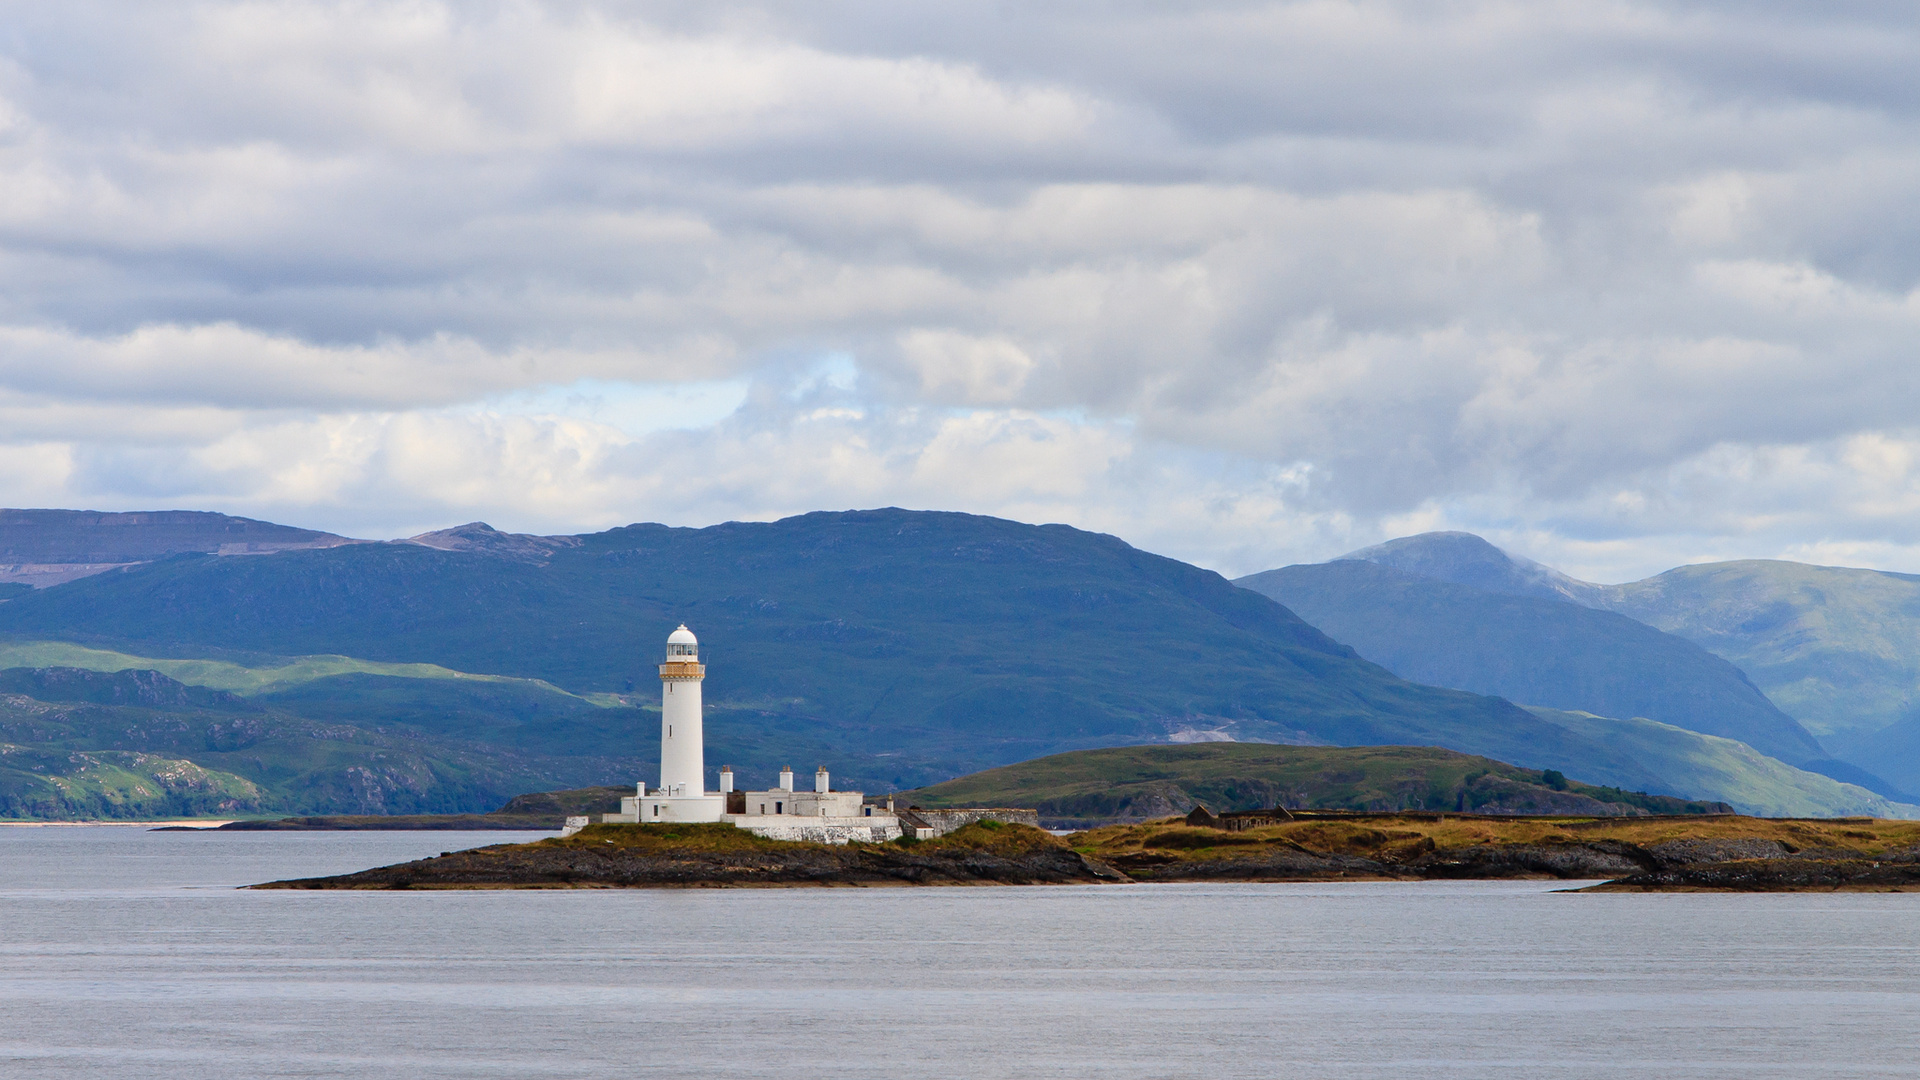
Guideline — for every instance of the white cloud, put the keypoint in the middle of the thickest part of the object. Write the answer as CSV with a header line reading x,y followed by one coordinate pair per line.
x,y
1618,282
964,368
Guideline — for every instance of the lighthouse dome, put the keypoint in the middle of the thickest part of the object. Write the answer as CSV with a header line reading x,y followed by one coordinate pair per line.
x,y
682,643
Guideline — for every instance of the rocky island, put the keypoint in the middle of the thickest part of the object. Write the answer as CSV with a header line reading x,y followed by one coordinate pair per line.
x,y
1690,853
721,856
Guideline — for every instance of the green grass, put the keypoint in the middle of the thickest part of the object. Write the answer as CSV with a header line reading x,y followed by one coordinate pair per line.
x,y
250,681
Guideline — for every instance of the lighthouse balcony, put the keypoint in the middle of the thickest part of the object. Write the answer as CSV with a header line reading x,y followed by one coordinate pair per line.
x,y
683,669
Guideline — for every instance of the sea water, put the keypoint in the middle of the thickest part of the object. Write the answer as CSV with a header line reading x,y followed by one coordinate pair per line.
x,y
127,953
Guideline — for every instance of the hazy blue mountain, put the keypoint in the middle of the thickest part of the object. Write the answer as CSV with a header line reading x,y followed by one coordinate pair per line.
x,y
901,647
1839,648
1465,559
1535,651
1836,648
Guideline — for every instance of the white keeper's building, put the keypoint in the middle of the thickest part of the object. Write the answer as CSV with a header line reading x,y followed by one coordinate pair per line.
x,y
821,815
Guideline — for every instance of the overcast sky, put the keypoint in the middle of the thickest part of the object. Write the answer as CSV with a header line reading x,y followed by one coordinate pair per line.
x,y
1618,285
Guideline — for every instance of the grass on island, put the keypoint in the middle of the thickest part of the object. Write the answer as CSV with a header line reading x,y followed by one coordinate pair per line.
x,y
1397,837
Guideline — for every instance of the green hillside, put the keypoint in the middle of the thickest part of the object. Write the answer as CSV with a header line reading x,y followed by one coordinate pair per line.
x,y
901,647
136,744
1710,767
266,676
1143,782
1534,651
109,784
1837,648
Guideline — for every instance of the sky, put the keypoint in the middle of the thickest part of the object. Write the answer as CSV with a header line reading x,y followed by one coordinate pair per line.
x,y
1618,285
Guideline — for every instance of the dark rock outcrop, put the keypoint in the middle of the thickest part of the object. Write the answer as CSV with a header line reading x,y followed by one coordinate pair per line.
x,y
1295,865
1773,875
1595,859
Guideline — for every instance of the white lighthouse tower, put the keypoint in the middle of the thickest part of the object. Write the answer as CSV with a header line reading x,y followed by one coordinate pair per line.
x,y
683,755
822,815
682,794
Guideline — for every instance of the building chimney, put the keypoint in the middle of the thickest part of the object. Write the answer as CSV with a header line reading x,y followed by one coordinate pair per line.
x,y
726,779
820,780
786,778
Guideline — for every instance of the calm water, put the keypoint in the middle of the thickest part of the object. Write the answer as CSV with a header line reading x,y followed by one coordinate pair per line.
x,y
126,953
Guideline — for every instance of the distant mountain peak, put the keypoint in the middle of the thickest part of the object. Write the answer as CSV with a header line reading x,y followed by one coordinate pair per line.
x,y
1465,559
481,538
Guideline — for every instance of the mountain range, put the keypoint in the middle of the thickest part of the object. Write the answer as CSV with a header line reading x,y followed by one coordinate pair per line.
x,y
1835,649
449,671
902,647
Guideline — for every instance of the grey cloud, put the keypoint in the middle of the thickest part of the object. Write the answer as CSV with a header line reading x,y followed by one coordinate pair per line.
x,y
1548,269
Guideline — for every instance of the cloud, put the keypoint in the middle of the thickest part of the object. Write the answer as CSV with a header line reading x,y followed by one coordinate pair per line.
x,y
1618,282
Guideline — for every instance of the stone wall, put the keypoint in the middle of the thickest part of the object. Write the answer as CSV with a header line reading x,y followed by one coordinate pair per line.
x,y
821,830
945,821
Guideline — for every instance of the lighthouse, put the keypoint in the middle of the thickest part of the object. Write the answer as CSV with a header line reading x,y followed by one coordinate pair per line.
x,y
822,815
682,794
683,759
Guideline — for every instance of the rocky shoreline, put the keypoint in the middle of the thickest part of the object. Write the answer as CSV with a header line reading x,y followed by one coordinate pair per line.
x,y
1726,855
1774,875
706,856
1695,853
1627,868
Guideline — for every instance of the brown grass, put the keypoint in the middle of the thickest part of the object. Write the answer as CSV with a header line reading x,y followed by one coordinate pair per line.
x,y
1391,836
